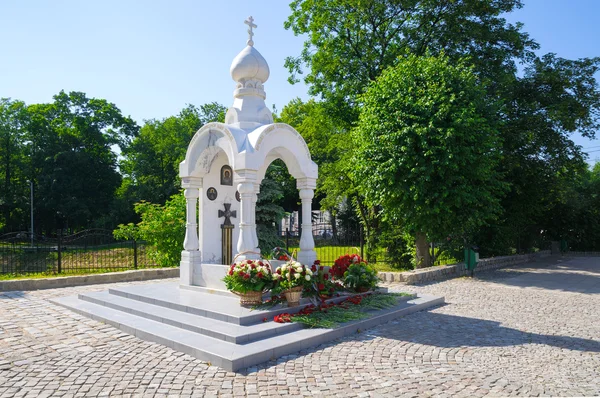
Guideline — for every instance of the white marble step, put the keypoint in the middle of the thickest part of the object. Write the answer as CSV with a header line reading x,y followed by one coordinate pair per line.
x,y
214,306
219,307
226,331
228,355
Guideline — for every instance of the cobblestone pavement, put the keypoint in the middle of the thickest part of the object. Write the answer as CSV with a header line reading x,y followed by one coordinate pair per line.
x,y
532,330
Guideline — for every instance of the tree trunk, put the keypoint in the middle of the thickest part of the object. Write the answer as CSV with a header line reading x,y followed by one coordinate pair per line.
x,y
423,258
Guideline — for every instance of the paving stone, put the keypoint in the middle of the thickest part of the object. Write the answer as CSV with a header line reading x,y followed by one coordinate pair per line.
x,y
518,331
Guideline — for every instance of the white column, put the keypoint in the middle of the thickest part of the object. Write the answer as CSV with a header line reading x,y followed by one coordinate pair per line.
x,y
191,256
254,200
190,242
307,254
245,245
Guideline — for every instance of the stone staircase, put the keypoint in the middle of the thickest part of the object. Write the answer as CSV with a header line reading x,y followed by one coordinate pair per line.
x,y
214,327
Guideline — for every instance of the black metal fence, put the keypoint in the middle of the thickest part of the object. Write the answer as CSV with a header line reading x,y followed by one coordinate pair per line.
x,y
93,250
329,244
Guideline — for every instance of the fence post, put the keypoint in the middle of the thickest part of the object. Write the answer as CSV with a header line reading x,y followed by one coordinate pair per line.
x,y
287,239
362,242
59,251
135,259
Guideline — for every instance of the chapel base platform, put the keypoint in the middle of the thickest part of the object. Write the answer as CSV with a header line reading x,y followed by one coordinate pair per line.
x,y
214,327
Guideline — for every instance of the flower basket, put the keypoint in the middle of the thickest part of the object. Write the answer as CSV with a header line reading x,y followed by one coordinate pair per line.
x,y
293,296
291,279
249,279
249,298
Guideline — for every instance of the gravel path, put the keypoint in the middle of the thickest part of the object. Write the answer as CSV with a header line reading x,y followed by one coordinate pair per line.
x,y
529,331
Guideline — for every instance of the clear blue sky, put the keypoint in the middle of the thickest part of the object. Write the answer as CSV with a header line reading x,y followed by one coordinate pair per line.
x,y
151,58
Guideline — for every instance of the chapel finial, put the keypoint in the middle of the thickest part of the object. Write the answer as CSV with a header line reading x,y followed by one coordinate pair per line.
x,y
250,23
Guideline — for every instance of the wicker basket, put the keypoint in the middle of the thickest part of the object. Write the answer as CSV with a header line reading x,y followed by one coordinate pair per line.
x,y
250,298
293,296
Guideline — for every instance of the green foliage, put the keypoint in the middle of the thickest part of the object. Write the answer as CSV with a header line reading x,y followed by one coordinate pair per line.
x,y
162,227
426,148
13,163
64,148
360,276
268,210
350,42
151,163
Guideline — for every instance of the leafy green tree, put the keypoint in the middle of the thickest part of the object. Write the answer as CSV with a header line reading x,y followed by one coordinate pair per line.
x,y
327,143
427,150
71,160
151,163
163,227
269,211
351,42
13,162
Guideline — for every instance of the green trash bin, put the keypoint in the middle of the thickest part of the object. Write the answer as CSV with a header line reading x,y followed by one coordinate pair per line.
x,y
564,246
471,258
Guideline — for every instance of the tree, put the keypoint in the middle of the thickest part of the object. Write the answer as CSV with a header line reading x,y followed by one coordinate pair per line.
x,y
269,211
350,42
151,163
13,163
70,159
163,227
427,150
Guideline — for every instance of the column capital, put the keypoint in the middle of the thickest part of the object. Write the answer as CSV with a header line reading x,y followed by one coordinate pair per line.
x,y
245,175
191,182
245,188
306,194
306,183
191,193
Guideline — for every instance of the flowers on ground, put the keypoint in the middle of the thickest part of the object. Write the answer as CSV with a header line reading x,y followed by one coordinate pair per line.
x,y
249,276
310,309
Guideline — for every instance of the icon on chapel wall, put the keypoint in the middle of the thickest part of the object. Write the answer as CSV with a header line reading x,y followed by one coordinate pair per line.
x,y
211,193
237,196
226,175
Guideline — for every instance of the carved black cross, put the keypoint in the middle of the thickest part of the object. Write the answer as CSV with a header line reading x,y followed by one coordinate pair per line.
x,y
228,213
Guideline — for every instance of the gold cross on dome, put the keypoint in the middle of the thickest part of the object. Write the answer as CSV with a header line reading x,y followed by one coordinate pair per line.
x,y
251,24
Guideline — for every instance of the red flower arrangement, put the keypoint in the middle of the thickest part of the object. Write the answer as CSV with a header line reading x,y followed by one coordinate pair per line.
x,y
342,263
281,254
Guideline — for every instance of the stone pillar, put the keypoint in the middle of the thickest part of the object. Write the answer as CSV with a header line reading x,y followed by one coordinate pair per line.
x,y
191,255
307,254
190,243
245,245
254,200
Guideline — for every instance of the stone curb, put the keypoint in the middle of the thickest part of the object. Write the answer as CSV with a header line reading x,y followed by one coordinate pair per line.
x,y
456,270
79,280
581,254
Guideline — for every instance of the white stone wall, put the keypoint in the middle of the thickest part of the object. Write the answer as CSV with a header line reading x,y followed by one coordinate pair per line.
x,y
210,223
